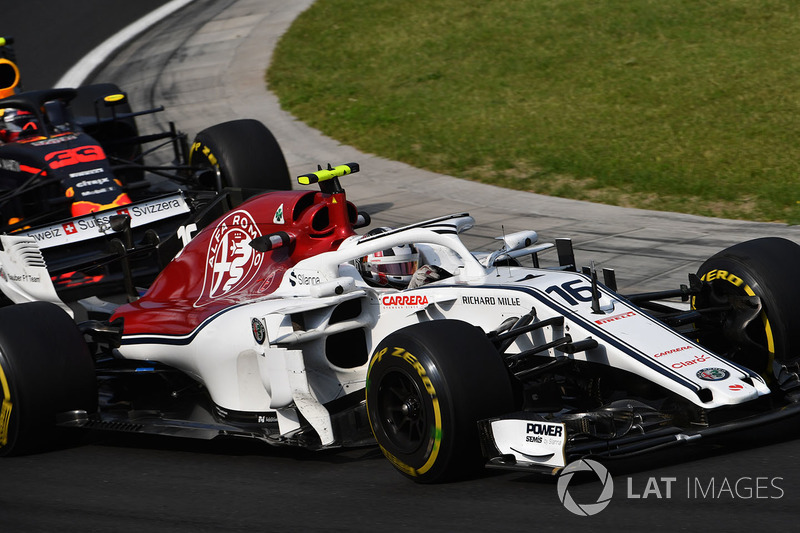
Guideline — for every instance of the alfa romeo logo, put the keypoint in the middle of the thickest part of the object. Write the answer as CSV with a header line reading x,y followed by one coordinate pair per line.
x,y
231,263
259,333
585,509
713,374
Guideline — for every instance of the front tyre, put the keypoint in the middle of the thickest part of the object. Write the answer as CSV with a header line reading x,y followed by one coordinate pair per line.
x,y
244,153
428,385
45,369
765,268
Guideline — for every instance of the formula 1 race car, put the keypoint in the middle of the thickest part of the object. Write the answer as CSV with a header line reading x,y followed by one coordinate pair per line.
x,y
73,159
269,325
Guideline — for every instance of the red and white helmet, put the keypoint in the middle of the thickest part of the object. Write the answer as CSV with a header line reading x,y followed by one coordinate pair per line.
x,y
389,268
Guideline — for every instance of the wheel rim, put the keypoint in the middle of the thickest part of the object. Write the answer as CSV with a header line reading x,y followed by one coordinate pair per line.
x,y
752,345
8,423
402,412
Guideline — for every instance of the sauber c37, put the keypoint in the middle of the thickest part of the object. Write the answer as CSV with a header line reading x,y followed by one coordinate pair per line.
x,y
263,327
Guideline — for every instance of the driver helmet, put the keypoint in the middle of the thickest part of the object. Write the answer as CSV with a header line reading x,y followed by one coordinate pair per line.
x,y
393,267
17,123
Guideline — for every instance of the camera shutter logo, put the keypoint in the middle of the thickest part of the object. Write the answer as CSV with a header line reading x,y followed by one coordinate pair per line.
x,y
586,509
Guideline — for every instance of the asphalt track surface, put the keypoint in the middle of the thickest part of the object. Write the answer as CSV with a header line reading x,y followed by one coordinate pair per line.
x,y
206,64
52,36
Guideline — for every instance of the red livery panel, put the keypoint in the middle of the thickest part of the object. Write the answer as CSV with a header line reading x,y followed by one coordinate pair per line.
x,y
219,268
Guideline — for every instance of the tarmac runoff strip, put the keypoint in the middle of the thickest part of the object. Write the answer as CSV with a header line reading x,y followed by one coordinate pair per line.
x,y
218,68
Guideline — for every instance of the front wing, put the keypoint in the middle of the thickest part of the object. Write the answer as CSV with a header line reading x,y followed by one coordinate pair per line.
x,y
525,442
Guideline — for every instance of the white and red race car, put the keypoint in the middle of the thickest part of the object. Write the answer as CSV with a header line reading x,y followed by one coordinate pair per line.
x,y
264,327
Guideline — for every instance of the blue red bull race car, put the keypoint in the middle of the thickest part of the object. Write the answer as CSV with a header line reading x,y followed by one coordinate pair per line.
x,y
72,161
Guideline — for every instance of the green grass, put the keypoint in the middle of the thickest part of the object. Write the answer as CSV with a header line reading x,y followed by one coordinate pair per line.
x,y
679,105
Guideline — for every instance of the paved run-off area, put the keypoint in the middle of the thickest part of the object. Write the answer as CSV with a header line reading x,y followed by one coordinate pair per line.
x,y
206,64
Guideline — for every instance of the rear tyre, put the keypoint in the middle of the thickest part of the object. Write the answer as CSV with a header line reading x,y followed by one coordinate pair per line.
x,y
45,369
245,153
428,385
750,336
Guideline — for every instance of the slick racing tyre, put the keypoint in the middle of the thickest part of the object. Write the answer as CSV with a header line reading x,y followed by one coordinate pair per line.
x,y
753,336
45,369
428,385
245,153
